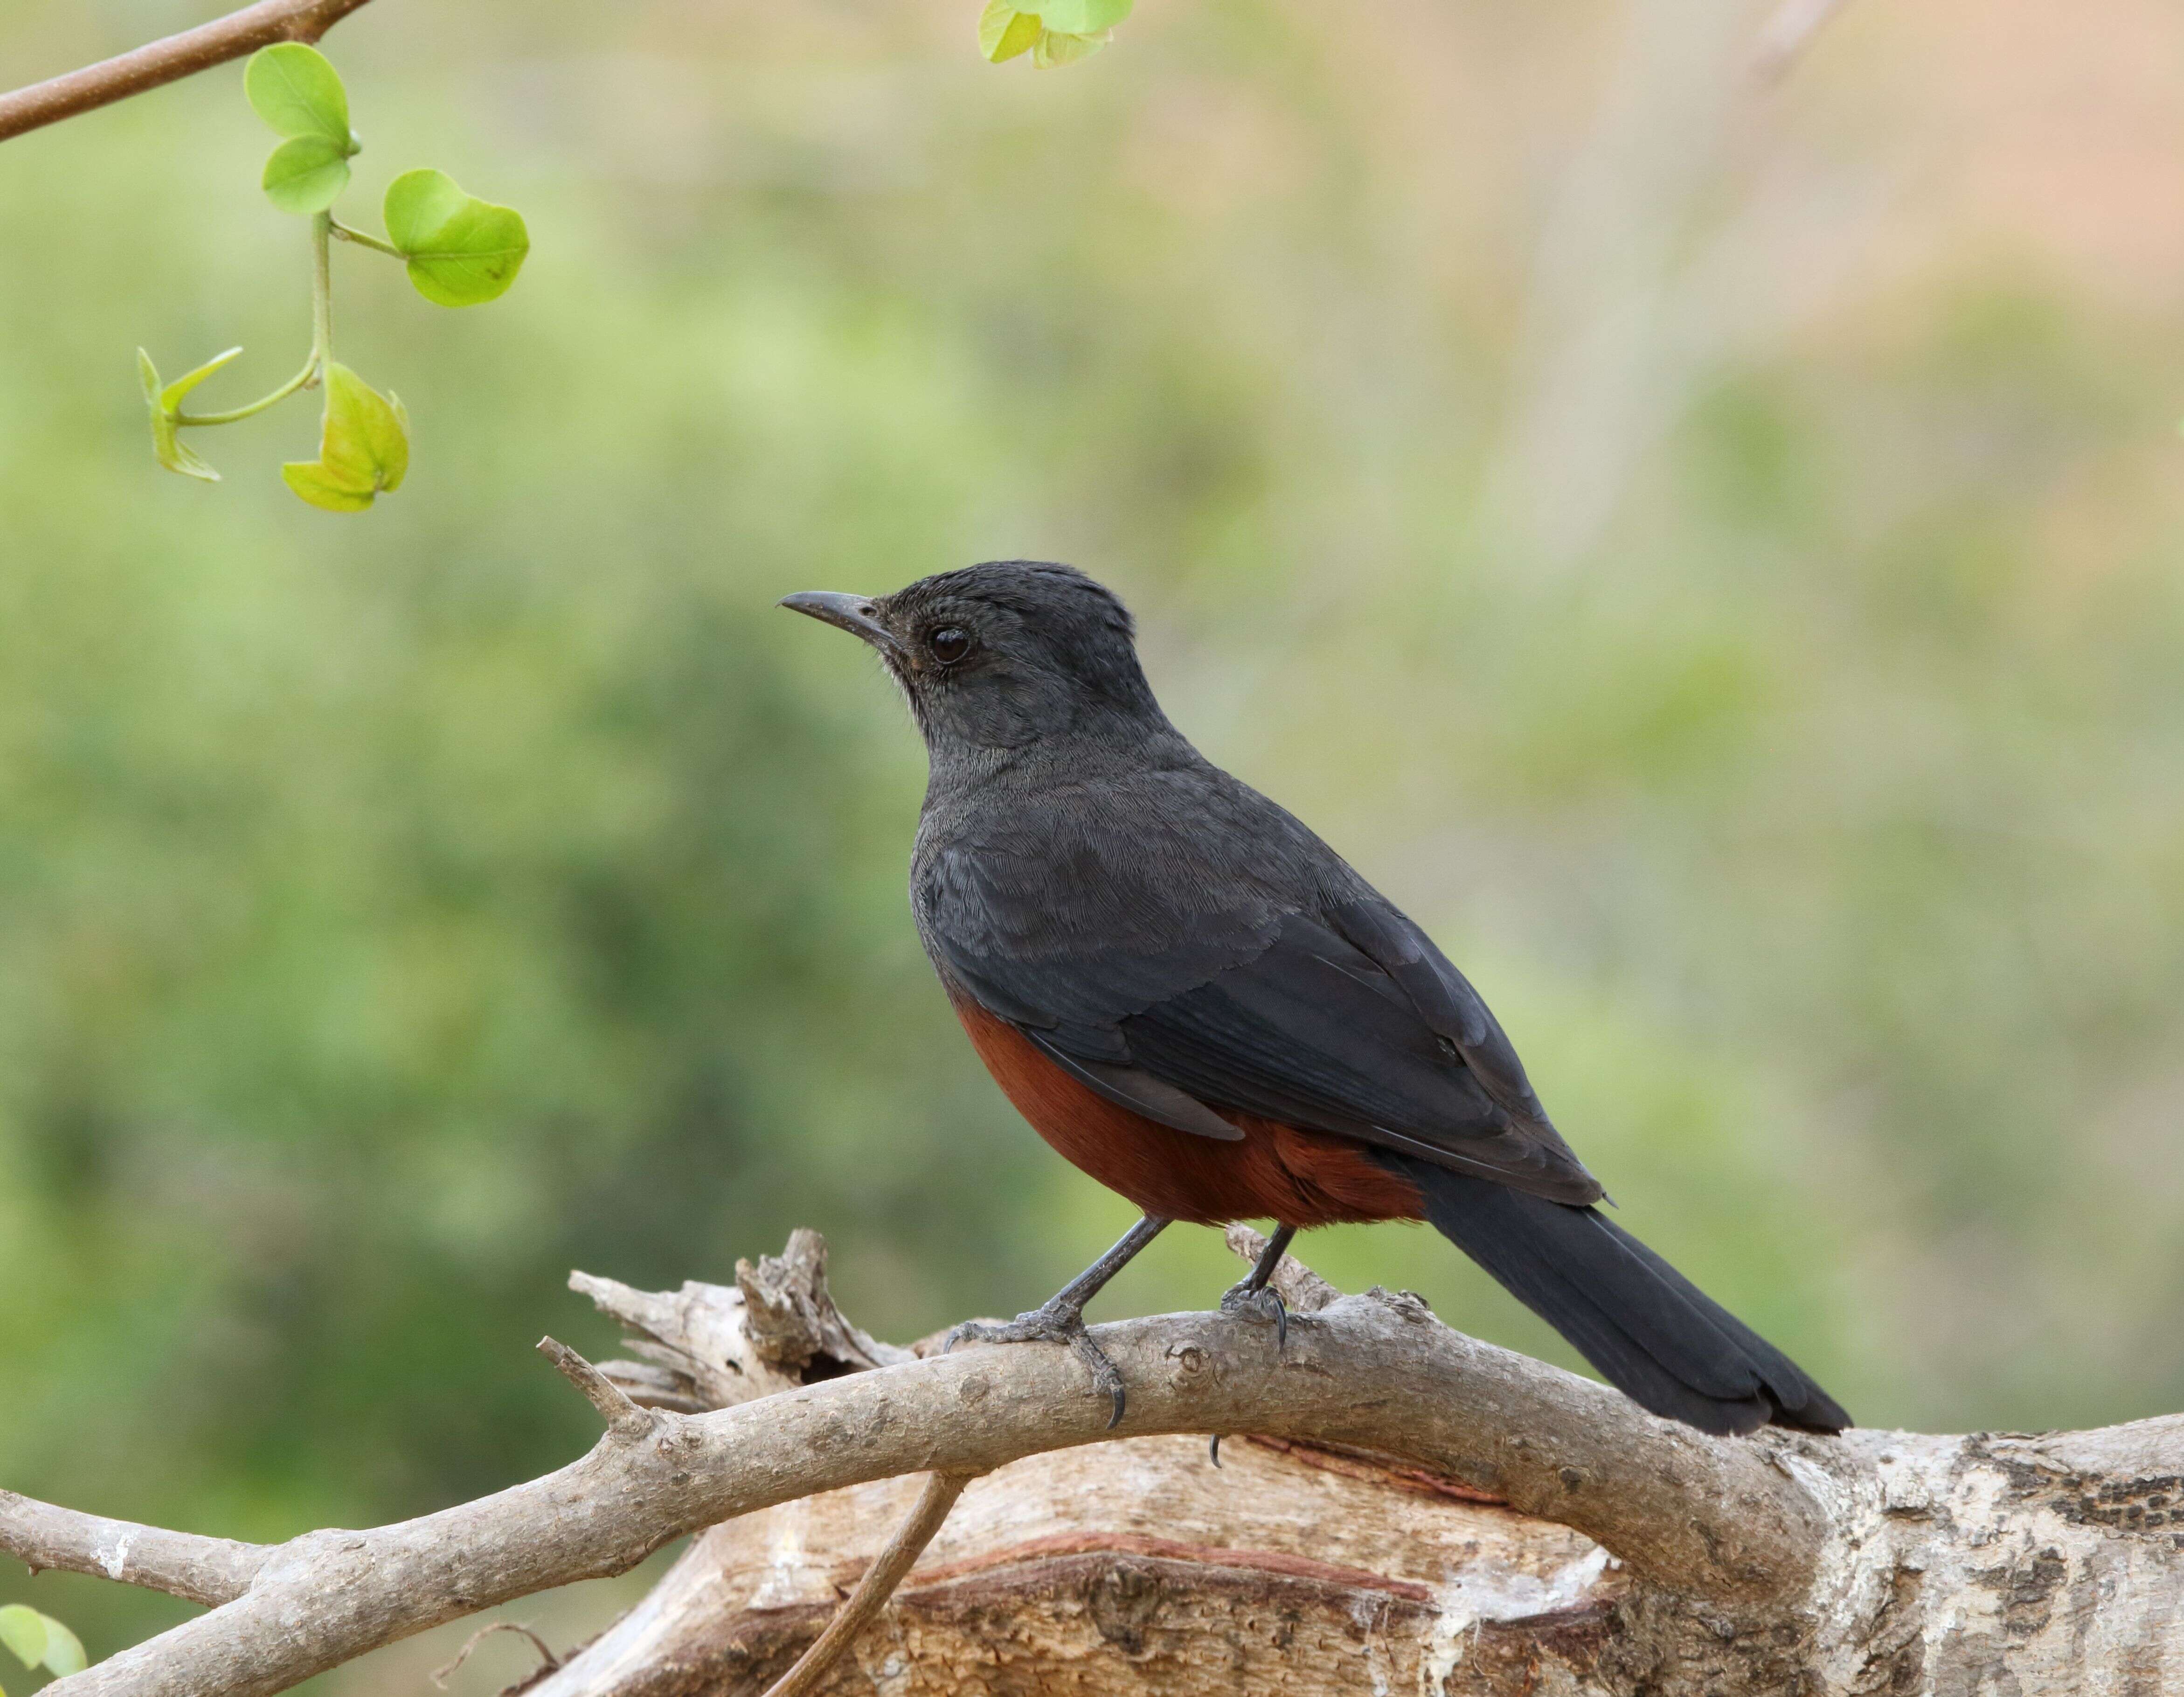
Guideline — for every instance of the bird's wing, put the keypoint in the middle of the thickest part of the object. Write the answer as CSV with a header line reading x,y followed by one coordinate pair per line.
x,y
1346,1021
1314,1032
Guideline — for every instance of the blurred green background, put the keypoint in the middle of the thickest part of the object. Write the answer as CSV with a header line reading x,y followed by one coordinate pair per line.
x,y
1711,552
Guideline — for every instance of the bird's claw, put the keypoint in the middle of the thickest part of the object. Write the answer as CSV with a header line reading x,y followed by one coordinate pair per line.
x,y
1264,1305
1051,1324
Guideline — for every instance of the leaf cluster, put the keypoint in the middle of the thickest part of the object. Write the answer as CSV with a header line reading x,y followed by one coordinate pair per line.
x,y
458,250
1054,33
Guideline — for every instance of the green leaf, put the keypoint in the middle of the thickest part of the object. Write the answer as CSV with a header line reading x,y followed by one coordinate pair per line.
x,y
1055,47
318,486
64,1649
167,448
363,447
462,251
293,89
22,1630
305,175
170,397
1003,32
1082,17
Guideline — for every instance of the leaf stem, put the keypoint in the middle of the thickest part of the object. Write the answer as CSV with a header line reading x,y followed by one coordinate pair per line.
x,y
322,337
322,289
236,415
362,240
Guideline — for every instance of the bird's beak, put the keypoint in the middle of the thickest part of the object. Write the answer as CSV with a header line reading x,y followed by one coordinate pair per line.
x,y
851,613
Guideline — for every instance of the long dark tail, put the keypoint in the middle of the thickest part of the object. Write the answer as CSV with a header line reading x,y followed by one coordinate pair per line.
x,y
1653,1334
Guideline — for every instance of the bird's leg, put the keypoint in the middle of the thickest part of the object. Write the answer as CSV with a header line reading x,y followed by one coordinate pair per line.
x,y
1256,1295
1061,1320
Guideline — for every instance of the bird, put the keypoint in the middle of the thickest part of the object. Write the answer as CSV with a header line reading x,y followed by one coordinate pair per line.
x,y
1198,1002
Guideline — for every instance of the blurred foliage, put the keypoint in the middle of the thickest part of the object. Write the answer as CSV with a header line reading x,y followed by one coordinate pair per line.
x,y
1764,678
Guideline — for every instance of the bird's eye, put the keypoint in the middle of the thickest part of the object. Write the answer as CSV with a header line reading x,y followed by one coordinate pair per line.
x,y
949,645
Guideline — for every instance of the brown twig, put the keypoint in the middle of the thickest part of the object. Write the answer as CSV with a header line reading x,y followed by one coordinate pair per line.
x,y
169,60
441,1675
624,1418
878,1584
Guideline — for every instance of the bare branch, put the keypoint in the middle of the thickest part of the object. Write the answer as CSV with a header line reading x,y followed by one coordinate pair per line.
x,y
790,1313
911,1537
169,60
710,1346
624,1419
1726,1519
1788,33
203,1570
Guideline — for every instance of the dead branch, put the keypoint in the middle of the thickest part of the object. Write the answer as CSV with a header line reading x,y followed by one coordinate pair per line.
x,y
1375,1372
169,60
624,1418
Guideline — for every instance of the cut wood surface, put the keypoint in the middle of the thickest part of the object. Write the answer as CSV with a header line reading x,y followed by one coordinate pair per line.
x,y
1120,1568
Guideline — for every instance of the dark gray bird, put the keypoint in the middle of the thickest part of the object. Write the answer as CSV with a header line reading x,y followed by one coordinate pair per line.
x,y
1199,1004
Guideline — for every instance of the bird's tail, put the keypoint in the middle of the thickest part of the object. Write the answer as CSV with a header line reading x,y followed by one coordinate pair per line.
x,y
1653,1334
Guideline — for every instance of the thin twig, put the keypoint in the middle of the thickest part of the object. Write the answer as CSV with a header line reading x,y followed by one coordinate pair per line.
x,y
169,60
909,1542
441,1675
1788,33
211,1571
624,1418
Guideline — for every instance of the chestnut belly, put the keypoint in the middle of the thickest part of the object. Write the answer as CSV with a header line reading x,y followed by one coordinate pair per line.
x,y
1274,1172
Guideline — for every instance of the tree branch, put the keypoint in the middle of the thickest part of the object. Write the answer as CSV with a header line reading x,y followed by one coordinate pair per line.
x,y
169,60
211,1571
1728,1520
625,1419
909,1542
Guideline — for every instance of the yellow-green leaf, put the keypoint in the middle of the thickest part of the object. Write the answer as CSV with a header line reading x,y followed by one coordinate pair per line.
x,y
167,442
462,251
364,447
1004,32
64,1649
293,89
306,174
22,1630
316,484
1056,47
172,397
1082,17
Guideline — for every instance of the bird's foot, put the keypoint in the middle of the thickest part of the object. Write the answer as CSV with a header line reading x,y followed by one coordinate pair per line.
x,y
1263,1304
1053,1324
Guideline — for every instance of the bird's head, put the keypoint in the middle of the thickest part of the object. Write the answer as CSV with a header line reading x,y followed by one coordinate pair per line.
x,y
1003,655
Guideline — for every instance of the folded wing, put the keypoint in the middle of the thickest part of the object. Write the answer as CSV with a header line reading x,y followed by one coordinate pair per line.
x,y
1363,1031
